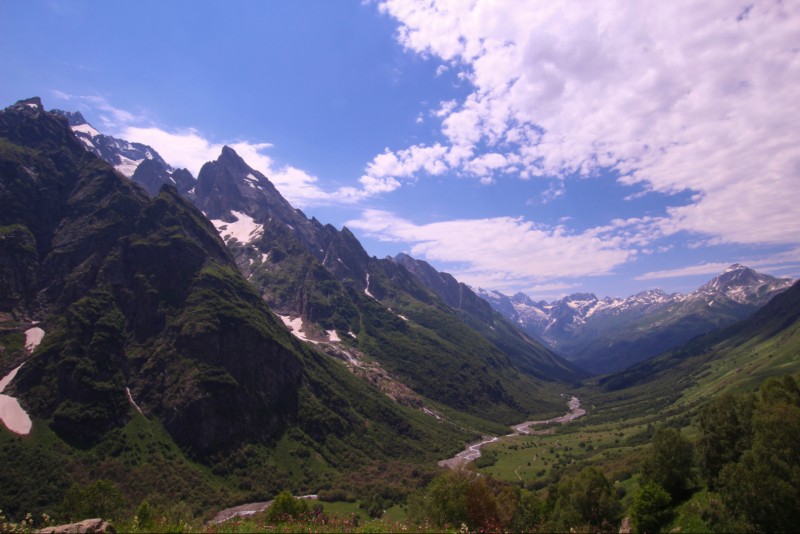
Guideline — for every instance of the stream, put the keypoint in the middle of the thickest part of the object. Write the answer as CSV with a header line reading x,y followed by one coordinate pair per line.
x,y
473,451
461,459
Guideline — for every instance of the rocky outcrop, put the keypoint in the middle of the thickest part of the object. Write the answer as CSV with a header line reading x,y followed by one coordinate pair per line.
x,y
87,526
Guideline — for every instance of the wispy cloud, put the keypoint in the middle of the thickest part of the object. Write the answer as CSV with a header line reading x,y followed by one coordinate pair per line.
x,y
672,95
780,261
504,252
111,118
692,270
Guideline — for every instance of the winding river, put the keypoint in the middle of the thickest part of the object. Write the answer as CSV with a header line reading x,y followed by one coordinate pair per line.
x,y
461,459
473,451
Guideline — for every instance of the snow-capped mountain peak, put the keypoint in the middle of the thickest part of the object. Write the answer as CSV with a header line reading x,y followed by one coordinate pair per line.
x,y
742,284
609,333
123,155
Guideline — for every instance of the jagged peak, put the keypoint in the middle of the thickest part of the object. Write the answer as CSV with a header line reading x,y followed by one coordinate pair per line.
x,y
34,103
580,296
522,298
652,292
736,267
75,118
228,152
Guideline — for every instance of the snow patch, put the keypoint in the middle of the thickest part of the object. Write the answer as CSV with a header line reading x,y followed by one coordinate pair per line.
x,y
85,128
295,327
366,289
133,402
333,336
33,336
352,334
11,413
128,166
244,230
87,142
264,258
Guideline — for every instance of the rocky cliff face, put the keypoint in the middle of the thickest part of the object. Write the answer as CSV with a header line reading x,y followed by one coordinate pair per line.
x,y
124,156
139,295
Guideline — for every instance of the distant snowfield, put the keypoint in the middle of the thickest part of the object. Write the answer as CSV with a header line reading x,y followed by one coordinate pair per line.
x,y
33,336
127,166
11,413
244,230
85,128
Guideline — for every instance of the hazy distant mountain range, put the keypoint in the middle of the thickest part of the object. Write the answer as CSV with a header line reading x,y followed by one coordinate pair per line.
x,y
609,334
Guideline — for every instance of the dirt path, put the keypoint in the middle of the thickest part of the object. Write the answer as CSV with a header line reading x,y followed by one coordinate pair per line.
x,y
473,451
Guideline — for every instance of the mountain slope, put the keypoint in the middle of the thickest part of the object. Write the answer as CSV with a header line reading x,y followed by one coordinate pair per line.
x,y
604,335
314,273
137,161
149,323
526,353
736,357
365,308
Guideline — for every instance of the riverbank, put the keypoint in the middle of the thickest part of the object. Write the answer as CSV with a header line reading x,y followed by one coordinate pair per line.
x,y
473,451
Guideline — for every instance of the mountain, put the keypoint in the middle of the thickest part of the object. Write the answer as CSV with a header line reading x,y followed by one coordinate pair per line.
x,y
737,357
604,335
528,354
160,366
372,313
314,275
135,160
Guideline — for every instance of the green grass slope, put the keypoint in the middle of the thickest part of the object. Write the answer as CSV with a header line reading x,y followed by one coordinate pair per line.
x,y
140,299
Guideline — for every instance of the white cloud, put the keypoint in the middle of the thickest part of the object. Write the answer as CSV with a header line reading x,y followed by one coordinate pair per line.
x,y
183,148
770,263
692,270
110,117
674,95
189,149
504,252
550,291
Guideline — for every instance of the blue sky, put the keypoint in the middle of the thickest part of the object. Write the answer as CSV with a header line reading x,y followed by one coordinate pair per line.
x,y
522,145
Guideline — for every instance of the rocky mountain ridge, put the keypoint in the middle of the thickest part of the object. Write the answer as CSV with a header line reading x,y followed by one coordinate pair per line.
x,y
581,326
160,367
610,333
329,291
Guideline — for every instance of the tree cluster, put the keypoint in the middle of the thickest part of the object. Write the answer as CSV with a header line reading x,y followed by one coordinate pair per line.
x,y
750,453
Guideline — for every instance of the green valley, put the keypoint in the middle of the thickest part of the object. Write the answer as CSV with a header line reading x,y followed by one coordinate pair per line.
x,y
180,353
